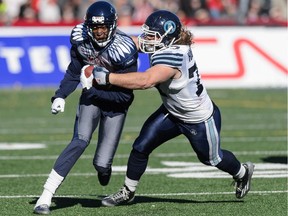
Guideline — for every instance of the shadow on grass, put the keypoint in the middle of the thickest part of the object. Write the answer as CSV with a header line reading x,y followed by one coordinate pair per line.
x,y
275,159
66,202
147,199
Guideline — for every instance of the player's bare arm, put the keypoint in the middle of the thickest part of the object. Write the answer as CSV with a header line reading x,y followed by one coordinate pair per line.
x,y
145,80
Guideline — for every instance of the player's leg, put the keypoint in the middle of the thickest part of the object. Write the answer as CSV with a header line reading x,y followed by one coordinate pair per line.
x,y
205,140
110,130
157,129
85,123
242,174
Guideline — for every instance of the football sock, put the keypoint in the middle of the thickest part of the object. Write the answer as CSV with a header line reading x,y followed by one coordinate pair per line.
x,y
45,198
241,172
131,184
52,183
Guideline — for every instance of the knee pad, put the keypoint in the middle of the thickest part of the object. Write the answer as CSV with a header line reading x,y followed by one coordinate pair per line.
x,y
83,138
79,143
207,162
102,169
137,154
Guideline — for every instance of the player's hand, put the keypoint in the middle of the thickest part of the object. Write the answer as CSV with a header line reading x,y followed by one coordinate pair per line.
x,y
86,82
58,105
79,32
101,75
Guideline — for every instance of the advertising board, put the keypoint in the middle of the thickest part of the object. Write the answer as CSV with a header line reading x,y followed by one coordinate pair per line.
x,y
227,57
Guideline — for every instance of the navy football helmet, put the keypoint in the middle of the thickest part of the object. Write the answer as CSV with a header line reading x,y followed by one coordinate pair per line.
x,y
101,13
161,29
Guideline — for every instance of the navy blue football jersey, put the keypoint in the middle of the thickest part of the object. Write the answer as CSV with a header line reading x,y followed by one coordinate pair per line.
x,y
119,56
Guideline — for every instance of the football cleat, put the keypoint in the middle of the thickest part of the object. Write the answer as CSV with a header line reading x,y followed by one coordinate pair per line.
x,y
104,178
42,209
123,196
243,184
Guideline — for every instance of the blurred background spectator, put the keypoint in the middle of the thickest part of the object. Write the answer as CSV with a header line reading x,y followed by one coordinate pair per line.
x,y
3,12
49,11
135,12
28,12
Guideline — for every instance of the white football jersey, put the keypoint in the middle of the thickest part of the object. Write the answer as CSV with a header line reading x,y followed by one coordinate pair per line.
x,y
185,98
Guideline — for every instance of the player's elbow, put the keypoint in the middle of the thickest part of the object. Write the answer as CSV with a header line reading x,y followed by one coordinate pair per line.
x,y
146,84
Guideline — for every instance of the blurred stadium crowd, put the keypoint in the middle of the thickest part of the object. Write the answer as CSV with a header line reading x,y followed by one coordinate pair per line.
x,y
134,12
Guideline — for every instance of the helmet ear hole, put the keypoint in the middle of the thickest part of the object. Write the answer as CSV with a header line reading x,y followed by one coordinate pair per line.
x,y
101,13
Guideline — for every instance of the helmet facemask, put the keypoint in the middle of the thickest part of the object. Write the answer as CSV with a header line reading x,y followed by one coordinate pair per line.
x,y
102,42
151,41
101,13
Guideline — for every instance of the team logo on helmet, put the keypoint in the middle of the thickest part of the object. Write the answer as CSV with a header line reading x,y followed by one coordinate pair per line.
x,y
98,19
168,25
144,26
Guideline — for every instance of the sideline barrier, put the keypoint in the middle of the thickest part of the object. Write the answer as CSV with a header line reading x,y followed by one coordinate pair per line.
x,y
227,57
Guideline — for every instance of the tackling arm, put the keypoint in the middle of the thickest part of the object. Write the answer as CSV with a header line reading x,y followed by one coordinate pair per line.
x,y
140,80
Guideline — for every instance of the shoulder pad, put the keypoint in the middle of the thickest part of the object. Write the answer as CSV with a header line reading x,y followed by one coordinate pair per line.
x,y
79,34
122,49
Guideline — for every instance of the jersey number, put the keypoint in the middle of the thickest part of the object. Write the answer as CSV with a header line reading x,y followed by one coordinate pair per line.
x,y
194,70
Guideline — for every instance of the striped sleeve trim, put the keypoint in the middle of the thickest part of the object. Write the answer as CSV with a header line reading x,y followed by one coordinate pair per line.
x,y
170,59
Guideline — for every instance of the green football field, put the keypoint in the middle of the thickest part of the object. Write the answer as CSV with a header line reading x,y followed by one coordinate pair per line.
x,y
254,127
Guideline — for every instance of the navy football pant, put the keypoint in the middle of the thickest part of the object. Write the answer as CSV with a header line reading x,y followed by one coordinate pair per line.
x,y
204,138
87,120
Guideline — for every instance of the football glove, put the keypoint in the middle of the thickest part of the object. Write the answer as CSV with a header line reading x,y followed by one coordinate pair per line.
x,y
86,82
101,75
58,105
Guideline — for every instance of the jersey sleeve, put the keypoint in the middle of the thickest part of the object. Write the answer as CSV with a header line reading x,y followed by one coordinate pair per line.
x,y
71,78
168,58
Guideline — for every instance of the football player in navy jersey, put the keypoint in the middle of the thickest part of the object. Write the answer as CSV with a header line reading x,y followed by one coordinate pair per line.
x,y
187,108
97,41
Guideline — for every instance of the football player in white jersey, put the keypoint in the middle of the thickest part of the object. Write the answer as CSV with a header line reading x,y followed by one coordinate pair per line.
x,y
187,108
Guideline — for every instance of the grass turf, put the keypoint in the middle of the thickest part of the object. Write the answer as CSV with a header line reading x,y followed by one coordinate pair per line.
x,y
254,127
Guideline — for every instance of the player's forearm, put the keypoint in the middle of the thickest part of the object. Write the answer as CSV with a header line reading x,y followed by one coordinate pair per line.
x,y
135,80
67,85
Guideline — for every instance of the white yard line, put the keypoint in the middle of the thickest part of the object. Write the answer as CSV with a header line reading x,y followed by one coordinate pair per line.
x,y
158,194
183,169
45,143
